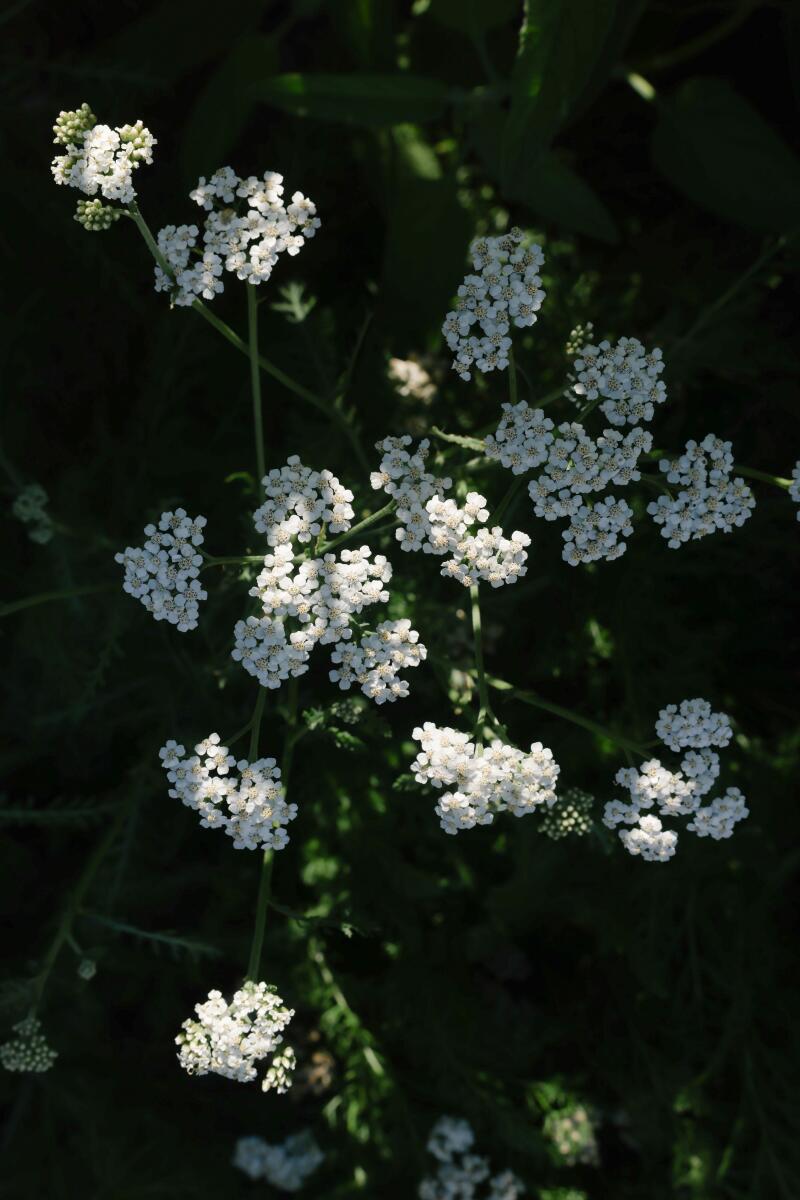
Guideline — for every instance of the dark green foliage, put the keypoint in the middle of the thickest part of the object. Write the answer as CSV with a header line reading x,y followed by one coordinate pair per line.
x,y
499,975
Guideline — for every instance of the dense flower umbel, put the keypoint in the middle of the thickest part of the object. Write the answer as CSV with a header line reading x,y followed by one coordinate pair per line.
x,y
247,228
436,525
708,498
459,1175
28,1051
232,1039
693,728
624,377
486,780
569,816
285,1166
99,159
506,291
794,487
375,661
313,601
245,799
162,574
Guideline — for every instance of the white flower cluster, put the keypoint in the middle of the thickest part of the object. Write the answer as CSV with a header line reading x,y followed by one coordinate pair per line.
x,y
28,1051
794,487
507,290
375,662
522,438
486,780
247,228
572,1136
285,1166
624,377
29,507
575,466
459,1173
231,1039
250,807
98,158
163,573
708,498
313,600
299,501
412,380
570,815
436,525
691,728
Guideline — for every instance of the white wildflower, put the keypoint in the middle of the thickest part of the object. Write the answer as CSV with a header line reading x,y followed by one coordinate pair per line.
x,y
376,660
99,159
708,498
459,1173
571,1132
232,1039
162,574
624,377
29,1051
285,1166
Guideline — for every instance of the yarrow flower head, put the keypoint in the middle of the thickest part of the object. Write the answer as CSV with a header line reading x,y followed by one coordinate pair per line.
x,y
285,1166
232,1039
247,227
571,1133
245,799
162,574
708,498
570,816
99,159
624,377
693,728
504,290
314,600
29,507
412,380
486,780
29,1051
459,1173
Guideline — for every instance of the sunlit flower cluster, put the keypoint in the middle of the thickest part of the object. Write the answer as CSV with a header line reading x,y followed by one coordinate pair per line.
x,y
232,1039
505,291
569,816
708,499
522,438
29,1051
624,378
437,525
299,502
285,1166
412,380
248,227
29,507
461,1175
245,799
691,728
162,574
99,159
376,660
572,1135
485,780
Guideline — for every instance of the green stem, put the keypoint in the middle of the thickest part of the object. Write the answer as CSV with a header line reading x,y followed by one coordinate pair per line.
x,y
255,378
330,411
372,519
513,491
512,377
485,709
558,710
776,480
45,597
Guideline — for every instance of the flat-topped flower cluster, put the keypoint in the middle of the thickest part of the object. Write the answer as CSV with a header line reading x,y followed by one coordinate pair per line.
x,y
232,1039
29,1051
624,378
162,573
248,227
486,780
461,1174
285,1166
245,799
691,728
99,159
505,290
708,499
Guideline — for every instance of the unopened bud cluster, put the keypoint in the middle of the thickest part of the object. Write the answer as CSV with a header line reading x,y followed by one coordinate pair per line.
x,y
233,1039
485,780
245,799
99,159
694,729
29,1051
570,816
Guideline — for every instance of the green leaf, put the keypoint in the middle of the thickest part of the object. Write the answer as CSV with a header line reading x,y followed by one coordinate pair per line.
x,y
713,146
560,43
473,17
372,100
224,104
556,193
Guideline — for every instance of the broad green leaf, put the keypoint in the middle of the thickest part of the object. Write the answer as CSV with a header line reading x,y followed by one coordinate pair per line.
x,y
473,17
552,190
224,104
560,43
713,146
372,100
